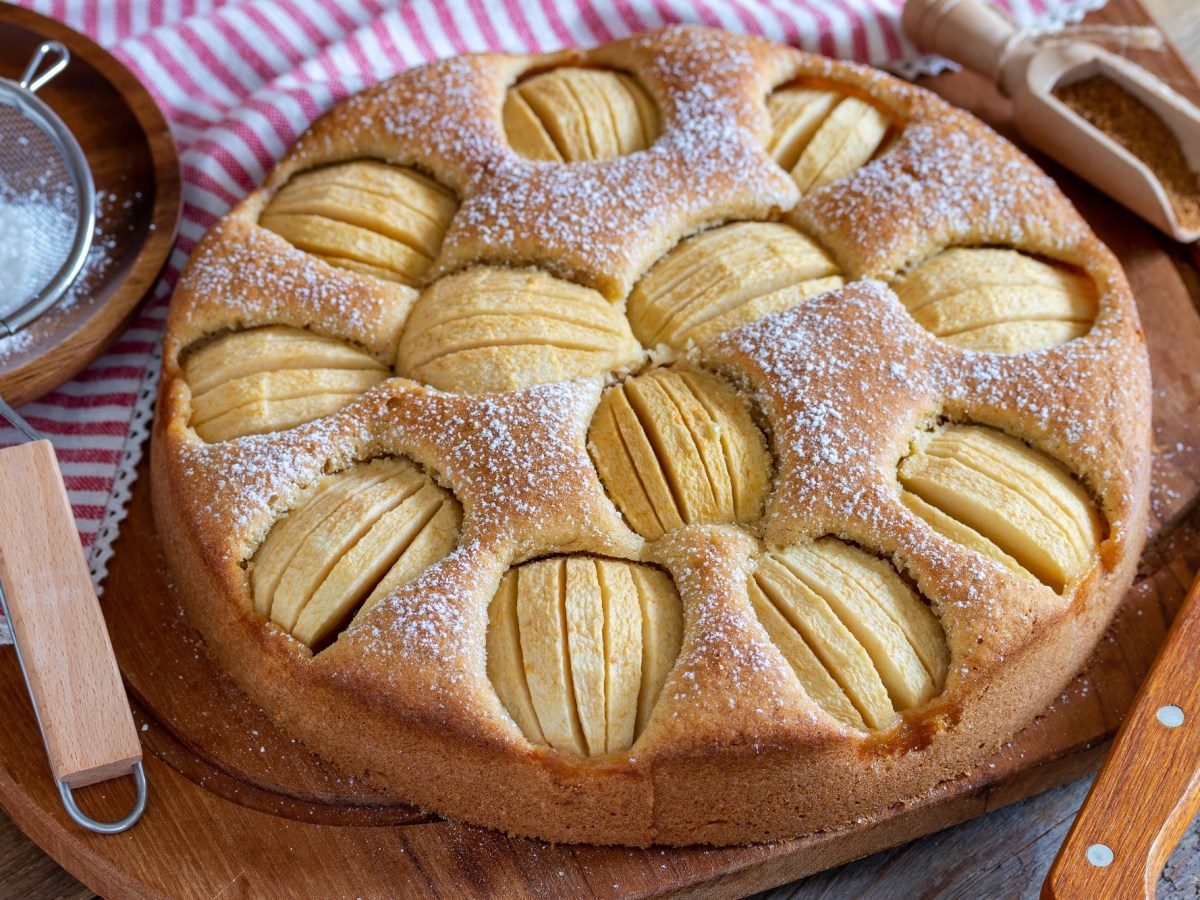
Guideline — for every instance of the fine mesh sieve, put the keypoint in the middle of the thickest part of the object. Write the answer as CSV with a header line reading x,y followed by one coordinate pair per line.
x,y
47,199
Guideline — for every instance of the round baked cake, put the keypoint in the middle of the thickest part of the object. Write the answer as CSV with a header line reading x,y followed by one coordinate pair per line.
x,y
686,440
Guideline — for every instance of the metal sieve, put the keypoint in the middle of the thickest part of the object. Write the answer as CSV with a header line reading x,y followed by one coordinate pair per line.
x,y
47,198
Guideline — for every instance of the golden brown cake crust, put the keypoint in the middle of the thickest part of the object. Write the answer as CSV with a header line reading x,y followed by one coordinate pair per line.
x,y
735,751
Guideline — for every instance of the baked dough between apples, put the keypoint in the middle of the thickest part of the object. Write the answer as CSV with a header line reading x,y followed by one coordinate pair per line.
x,y
686,440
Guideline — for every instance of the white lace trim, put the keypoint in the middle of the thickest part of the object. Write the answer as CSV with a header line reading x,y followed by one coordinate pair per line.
x,y
916,66
131,454
1066,12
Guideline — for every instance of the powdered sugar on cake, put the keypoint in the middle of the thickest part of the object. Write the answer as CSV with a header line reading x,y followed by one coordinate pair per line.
x,y
840,384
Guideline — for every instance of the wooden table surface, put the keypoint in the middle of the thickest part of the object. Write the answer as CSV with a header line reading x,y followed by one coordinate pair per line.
x,y
1003,854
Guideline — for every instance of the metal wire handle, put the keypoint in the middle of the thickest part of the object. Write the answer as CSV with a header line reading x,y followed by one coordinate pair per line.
x,y
31,83
64,789
82,818
15,420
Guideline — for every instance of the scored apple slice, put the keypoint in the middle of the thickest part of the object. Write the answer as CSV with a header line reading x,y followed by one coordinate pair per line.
x,y
1021,500
822,136
661,636
270,387
584,609
579,649
271,379
796,114
820,686
328,543
266,415
398,202
421,528
493,329
572,115
542,619
903,638
437,537
997,300
958,532
747,463
623,635
846,140
830,640
377,524
276,553
675,447
369,216
862,643
505,662
272,348
726,277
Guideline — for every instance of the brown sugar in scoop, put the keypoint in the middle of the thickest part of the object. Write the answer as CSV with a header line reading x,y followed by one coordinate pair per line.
x,y
1134,126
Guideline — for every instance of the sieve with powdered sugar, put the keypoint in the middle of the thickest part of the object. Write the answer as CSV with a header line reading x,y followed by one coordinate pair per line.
x,y
47,198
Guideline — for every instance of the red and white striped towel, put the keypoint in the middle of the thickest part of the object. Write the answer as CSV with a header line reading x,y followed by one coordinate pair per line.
x,y
240,80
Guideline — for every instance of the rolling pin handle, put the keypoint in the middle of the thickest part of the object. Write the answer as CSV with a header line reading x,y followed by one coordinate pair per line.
x,y
970,32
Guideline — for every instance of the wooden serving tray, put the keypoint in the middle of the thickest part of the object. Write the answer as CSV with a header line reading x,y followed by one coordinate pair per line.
x,y
239,809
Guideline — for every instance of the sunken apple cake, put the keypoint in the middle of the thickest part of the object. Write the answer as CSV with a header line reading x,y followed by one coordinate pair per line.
x,y
686,440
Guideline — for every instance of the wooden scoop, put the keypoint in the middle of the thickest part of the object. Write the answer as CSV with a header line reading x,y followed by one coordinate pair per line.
x,y
1148,789
1028,69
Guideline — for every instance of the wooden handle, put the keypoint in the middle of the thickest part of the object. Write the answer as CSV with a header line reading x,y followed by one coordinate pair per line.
x,y
1148,790
56,620
970,32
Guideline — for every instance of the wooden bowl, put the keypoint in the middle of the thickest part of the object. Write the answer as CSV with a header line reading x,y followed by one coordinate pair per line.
x,y
136,171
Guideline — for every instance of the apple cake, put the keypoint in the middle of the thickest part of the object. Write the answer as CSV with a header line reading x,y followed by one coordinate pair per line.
x,y
685,440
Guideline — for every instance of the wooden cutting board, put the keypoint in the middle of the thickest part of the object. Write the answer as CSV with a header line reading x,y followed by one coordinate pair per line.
x,y
238,809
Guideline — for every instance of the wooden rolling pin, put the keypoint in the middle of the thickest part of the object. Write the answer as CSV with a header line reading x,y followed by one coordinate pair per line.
x,y
1030,67
1148,790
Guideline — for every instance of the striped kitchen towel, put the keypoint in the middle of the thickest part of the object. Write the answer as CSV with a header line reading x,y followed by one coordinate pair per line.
x,y
239,81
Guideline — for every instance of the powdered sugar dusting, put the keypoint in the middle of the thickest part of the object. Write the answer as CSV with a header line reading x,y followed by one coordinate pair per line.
x,y
707,166
243,276
844,381
848,379
815,371
519,465
729,673
947,181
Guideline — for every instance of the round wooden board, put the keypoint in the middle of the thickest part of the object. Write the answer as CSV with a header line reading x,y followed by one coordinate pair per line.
x,y
136,171
237,808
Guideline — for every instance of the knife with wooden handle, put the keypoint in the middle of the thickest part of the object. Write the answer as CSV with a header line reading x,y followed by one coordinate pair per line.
x,y
1148,789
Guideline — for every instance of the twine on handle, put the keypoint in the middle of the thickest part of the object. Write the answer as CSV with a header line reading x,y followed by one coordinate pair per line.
x,y
1137,37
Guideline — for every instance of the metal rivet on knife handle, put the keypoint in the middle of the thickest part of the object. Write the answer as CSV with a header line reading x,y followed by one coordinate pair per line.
x,y
1148,789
